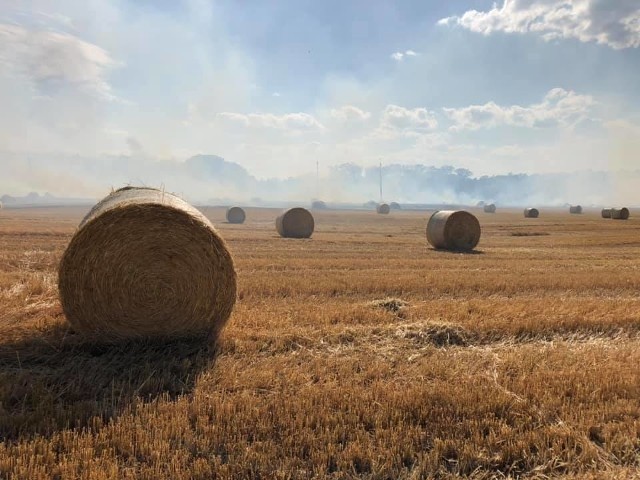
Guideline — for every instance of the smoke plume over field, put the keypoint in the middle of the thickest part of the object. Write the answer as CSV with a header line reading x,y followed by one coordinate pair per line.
x,y
209,178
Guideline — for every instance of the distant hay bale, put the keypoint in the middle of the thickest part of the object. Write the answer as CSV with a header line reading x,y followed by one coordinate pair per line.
x,y
318,205
606,212
575,209
453,230
236,215
620,213
489,208
145,263
531,213
395,206
383,208
295,223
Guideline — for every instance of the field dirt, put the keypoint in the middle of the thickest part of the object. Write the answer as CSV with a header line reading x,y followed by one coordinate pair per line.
x,y
361,352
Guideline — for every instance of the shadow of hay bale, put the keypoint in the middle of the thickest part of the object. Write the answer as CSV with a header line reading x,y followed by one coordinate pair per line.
x,y
57,381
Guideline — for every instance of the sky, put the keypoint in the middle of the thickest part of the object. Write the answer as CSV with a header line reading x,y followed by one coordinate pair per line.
x,y
519,86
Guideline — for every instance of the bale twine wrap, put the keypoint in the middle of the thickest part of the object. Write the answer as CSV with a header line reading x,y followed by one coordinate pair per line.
x,y
295,223
144,263
236,215
576,209
606,212
620,213
490,208
531,213
383,208
453,230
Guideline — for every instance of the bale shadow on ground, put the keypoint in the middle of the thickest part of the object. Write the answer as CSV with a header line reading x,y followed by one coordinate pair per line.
x,y
55,380
463,252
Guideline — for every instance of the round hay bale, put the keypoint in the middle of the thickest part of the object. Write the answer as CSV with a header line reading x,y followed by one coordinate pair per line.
x,y
453,230
145,263
620,213
531,213
318,205
490,208
236,215
383,208
575,209
395,206
606,212
295,223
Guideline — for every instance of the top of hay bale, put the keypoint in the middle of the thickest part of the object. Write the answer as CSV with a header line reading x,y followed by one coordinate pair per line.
x,y
295,223
144,263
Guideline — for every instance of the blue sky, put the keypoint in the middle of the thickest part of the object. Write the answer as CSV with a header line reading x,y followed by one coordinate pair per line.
x,y
516,86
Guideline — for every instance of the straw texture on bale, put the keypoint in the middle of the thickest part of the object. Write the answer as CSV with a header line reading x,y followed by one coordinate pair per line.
x,y
383,208
620,213
236,215
295,223
606,212
490,208
453,230
145,263
531,213
318,205
575,209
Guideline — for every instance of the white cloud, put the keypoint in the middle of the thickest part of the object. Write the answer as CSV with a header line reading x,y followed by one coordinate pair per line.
x,y
615,23
295,122
400,118
53,61
349,113
399,56
559,107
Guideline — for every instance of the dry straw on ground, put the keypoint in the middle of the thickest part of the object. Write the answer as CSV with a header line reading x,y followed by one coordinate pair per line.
x,y
236,215
144,263
576,209
490,208
620,213
531,213
453,230
383,208
295,223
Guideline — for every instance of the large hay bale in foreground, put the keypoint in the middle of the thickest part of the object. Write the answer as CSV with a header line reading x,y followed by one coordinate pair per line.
x,y
383,208
620,213
531,213
453,230
606,212
295,223
575,209
145,263
236,215
490,208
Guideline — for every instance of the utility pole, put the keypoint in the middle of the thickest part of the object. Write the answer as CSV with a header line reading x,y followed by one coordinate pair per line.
x,y
380,182
317,179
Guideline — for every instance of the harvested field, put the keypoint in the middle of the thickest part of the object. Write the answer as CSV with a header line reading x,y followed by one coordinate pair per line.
x,y
359,353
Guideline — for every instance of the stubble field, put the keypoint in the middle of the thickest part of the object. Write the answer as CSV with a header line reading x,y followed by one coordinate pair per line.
x,y
359,353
